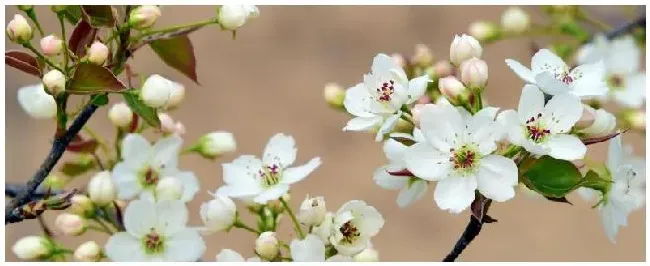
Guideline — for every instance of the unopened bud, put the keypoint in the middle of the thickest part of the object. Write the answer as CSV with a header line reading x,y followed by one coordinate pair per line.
x,y
232,17
177,95
482,30
215,144
97,53
219,213
55,182
32,247
144,16
54,81
18,30
474,73
602,125
463,48
156,91
120,115
70,224
452,89
267,246
81,205
443,69
423,55
398,59
367,255
312,211
515,19
51,45
334,95
587,119
101,188
169,188
88,252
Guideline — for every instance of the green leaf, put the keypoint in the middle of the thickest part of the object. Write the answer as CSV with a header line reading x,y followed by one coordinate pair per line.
x,y
552,177
99,16
72,14
178,53
78,166
91,79
100,100
150,115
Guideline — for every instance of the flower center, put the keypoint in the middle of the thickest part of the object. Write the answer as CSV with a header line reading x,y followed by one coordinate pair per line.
x,y
615,82
464,159
270,175
385,92
565,77
535,130
150,177
153,242
350,232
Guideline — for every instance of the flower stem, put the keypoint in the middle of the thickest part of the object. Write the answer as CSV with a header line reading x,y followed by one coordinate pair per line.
x,y
239,224
40,56
65,43
32,15
179,27
293,218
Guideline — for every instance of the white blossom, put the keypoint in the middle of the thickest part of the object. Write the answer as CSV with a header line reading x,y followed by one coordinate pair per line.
x,y
36,102
312,211
269,178
232,17
353,226
229,255
218,214
310,249
267,245
32,247
88,251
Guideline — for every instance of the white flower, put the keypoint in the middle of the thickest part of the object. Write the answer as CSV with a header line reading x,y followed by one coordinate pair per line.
x,y
627,190
157,91
367,255
88,251
411,188
269,178
155,232
312,211
120,115
545,129
622,58
310,249
143,166
267,245
36,102
353,226
378,100
554,77
219,213
324,229
463,48
515,19
229,255
101,188
32,247
602,123
232,17
457,154
169,189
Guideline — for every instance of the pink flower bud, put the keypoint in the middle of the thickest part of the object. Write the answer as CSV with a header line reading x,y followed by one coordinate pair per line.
x,y
51,45
464,47
452,89
70,224
18,30
443,69
97,53
144,17
423,55
474,73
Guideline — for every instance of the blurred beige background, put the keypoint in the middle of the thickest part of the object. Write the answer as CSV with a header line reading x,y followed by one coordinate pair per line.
x,y
270,80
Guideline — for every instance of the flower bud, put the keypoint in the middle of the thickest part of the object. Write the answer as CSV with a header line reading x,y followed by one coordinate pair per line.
x,y
253,11
177,95
219,213
266,245
587,119
54,81
18,30
97,53
452,89
88,252
334,95
464,47
36,102
602,125
474,73
101,188
515,19
169,188
144,17
312,211
482,30
120,115
232,17
51,45
443,68
215,144
32,247
423,55
70,224
81,205
156,91
55,182
367,255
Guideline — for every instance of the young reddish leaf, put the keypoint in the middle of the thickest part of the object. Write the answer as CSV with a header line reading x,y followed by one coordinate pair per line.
x,y
150,115
98,16
81,145
91,79
23,61
178,53
82,36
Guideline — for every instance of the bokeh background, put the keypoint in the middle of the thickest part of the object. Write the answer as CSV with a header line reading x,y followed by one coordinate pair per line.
x,y
270,80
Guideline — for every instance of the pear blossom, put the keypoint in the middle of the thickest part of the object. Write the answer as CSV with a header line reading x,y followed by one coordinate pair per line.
x,y
155,232
229,255
411,188
312,211
457,154
88,251
36,102
324,229
144,166
269,178
544,129
602,123
553,76
32,247
312,249
622,59
353,226
218,214
232,17
377,102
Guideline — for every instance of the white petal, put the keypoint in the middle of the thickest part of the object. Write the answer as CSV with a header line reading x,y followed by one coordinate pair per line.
x,y
244,168
624,56
545,60
190,185
562,112
123,247
140,217
531,103
417,87
295,174
633,95
550,85
229,255
281,149
387,126
510,126
36,102
358,101
566,147
412,192
272,193
310,249
426,162
394,150
165,152
455,193
135,149
171,216
615,154
127,181
371,221
387,181
483,130
362,123
523,72
441,125
382,65
587,194
185,245
339,258
591,81
497,177
240,190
